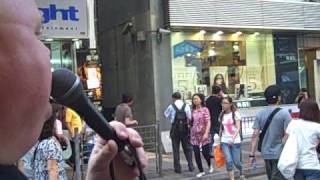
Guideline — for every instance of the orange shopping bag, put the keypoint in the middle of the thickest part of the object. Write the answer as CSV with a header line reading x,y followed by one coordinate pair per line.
x,y
219,157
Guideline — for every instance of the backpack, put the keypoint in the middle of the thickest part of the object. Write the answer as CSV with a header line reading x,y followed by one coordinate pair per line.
x,y
180,123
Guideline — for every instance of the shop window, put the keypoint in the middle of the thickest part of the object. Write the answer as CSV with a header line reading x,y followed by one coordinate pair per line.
x,y
242,64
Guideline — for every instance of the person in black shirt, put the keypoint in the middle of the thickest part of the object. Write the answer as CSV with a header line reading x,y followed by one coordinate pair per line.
x,y
213,103
25,78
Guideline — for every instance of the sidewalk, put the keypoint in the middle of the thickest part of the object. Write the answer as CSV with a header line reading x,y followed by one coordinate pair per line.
x,y
219,174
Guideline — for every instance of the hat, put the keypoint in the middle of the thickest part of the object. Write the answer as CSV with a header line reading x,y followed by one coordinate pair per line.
x,y
272,92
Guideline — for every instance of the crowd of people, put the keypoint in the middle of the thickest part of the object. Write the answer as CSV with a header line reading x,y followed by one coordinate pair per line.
x,y
195,127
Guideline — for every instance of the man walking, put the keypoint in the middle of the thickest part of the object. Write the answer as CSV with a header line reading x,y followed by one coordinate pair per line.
x,y
269,128
179,114
123,111
213,103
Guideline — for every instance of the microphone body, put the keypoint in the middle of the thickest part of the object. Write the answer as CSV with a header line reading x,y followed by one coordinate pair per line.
x,y
67,90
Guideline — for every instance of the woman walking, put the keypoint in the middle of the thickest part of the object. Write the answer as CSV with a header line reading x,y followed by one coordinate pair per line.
x,y
200,132
48,159
306,129
229,136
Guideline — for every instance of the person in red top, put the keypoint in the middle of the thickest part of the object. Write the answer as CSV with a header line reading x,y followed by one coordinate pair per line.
x,y
200,132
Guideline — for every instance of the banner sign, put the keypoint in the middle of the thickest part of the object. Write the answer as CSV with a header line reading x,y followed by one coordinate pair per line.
x,y
64,18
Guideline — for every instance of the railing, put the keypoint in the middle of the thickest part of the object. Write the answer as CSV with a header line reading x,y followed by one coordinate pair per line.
x,y
246,127
152,143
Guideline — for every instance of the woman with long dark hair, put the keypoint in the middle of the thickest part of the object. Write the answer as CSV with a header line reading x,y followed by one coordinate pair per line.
x,y
306,130
219,81
200,132
48,159
230,136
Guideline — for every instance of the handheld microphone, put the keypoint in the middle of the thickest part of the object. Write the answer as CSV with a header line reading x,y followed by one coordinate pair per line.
x,y
67,90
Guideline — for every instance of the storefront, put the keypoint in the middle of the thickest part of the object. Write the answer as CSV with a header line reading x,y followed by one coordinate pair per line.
x,y
69,35
240,57
244,64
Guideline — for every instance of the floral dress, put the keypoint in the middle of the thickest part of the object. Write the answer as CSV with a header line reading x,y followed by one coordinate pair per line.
x,y
48,149
201,117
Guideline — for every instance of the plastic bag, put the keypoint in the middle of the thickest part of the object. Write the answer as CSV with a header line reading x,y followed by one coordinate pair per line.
x,y
219,157
289,157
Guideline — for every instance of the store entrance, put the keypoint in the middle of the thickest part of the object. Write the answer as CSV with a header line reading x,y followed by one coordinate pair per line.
x,y
312,62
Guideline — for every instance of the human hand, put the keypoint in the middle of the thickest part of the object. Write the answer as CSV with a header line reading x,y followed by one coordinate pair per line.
x,y
105,152
205,136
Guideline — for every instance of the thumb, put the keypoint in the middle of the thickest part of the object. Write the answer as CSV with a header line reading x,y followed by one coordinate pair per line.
x,y
103,157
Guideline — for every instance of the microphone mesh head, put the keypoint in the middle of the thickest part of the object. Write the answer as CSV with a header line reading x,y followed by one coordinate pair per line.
x,y
62,81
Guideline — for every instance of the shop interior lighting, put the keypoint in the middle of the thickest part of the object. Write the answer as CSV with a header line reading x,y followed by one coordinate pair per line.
x,y
203,32
49,40
256,33
75,39
218,33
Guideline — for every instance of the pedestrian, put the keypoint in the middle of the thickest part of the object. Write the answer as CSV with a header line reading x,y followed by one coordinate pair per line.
x,y
213,103
229,134
272,121
200,132
123,111
179,114
303,95
48,160
24,98
307,131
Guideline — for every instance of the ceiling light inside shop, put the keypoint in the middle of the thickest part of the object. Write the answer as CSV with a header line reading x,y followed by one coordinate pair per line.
x,y
75,39
218,33
203,32
256,33
49,39
189,55
238,33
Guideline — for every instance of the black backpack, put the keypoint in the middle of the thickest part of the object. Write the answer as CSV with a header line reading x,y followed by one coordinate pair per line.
x,y
180,123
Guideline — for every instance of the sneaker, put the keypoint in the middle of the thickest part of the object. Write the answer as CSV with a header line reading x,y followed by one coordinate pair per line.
x,y
242,177
211,169
200,174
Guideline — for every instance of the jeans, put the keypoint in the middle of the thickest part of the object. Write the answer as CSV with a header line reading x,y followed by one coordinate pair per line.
x,y
205,153
306,174
232,154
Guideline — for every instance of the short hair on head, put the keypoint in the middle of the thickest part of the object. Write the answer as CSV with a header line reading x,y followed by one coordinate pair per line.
x,y
216,89
309,111
176,95
272,94
127,97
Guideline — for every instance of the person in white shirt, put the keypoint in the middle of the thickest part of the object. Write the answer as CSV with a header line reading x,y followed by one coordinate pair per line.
x,y
307,131
178,111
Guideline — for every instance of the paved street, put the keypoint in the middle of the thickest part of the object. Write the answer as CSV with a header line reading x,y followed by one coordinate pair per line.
x,y
219,174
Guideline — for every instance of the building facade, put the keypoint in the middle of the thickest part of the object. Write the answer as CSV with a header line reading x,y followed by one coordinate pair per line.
x,y
242,45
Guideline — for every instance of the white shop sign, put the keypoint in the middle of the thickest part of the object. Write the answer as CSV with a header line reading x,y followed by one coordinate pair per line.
x,y
64,18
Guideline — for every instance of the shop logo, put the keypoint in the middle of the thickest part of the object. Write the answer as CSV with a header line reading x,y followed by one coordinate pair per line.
x,y
52,12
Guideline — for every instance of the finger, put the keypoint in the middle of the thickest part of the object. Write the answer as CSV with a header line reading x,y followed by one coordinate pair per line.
x,y
120,130
104,156
142,157
134,138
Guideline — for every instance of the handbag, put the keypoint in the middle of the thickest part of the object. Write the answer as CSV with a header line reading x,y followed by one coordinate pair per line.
x,y
289,157
219,157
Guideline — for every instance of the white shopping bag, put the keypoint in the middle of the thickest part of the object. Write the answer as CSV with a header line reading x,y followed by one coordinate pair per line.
x,y
289,157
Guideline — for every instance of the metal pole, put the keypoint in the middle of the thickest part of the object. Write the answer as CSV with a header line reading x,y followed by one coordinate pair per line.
x,y
77,154
159,147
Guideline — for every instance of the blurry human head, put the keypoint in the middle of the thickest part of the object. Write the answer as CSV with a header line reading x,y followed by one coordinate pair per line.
x,y
198,100
48,129
127,98
216,90
227,104
309,111
272,94
176,96
219,80
26,79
